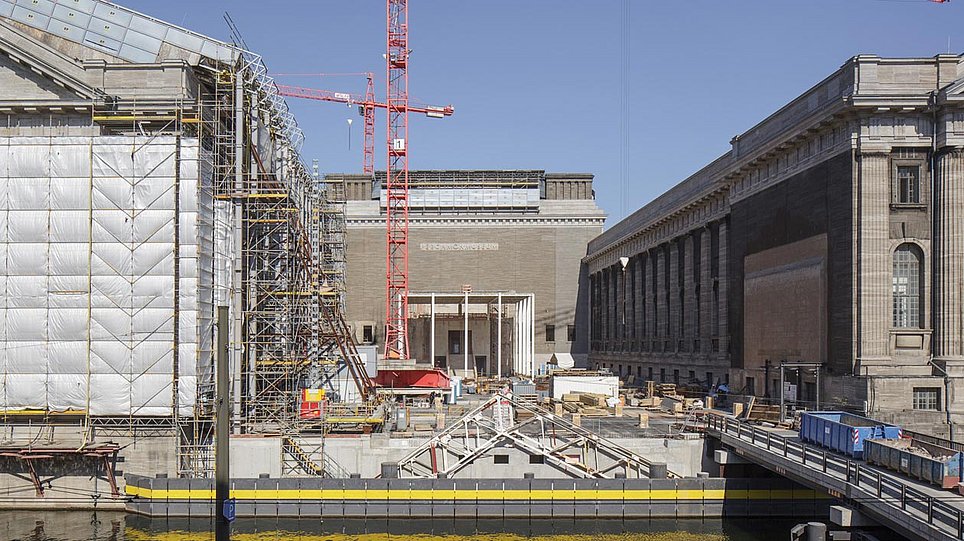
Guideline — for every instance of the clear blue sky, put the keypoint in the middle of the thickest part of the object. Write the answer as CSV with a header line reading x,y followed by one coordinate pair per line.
x,y
536,83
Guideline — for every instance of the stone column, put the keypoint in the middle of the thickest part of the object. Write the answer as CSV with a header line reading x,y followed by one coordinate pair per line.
x,y
661,294
604,307
641,301
630,302
689,293
874,260
706,292
949,258
673,310
614,303
620,304
652,273
723,331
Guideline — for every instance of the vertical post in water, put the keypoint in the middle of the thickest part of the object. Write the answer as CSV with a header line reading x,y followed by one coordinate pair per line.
x,y
222,473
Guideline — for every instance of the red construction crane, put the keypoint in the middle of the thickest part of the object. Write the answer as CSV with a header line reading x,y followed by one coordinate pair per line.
x,y
396,181
367,106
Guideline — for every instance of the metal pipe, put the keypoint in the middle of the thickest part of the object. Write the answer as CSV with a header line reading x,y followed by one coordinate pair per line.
x,y
222,461
431,343
465,341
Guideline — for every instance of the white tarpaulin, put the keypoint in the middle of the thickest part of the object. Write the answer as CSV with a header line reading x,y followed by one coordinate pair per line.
x,y
88,300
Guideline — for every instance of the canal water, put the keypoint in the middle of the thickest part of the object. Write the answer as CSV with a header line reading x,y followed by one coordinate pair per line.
x,y
85,526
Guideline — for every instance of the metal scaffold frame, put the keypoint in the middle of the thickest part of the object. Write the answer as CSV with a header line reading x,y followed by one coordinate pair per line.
x,y
164,209
506,421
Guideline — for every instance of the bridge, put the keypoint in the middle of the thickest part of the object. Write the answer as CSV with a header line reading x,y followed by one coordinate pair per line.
x,y
911,508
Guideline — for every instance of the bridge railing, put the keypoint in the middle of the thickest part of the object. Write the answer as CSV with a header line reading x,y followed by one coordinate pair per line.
x,y
934,510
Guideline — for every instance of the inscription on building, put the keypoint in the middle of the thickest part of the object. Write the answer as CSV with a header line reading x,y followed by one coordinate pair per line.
x,y
458,246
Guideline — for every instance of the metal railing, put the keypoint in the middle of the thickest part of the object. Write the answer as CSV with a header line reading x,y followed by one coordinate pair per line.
x,y
883,488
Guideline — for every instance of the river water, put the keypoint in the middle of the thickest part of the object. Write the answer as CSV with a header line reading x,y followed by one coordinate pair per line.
x,y
85,526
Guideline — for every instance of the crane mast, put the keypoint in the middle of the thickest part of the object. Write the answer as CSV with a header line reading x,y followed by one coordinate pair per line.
x,y
396,182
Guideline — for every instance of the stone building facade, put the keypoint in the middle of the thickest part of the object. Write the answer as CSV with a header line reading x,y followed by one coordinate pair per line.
x,y
831,234
518,233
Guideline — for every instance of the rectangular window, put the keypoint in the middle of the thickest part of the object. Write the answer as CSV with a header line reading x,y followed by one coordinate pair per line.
x,y
649,372
571,333
536,459
368,334
676,377
456,347
662,375
550,333
927,398
907,187
709,379
501,459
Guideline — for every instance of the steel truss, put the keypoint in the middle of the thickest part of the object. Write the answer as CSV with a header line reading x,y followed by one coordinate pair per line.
x,y
505,421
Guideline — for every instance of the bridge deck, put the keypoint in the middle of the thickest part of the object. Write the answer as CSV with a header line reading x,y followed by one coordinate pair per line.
x,y
911,508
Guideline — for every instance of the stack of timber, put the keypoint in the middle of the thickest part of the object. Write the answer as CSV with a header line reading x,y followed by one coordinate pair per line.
x,y
587,405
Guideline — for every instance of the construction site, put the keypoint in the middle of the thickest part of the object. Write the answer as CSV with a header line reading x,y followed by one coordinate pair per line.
x,y
198,323
161,230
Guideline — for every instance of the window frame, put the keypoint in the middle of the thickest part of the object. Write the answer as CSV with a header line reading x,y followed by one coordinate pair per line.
x,y
921,403
907,309
550,332
895,188
570,333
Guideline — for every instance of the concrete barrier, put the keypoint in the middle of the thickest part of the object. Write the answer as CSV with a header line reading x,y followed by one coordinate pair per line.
x,y
480,498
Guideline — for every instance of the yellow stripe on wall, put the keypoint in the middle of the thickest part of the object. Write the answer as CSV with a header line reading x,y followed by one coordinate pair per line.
x,y
471,495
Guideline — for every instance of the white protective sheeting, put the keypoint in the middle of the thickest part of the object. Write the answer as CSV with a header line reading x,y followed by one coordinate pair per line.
x,y
87,274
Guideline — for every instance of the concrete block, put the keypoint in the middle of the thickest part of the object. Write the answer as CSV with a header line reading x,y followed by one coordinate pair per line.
x,y
266,507
846,517
587,502
736,503
399,503
515,507
657,470
688,505
563,507
489,507
636,506
244,507
465,505
443,510
355,507
420,507
540,504
286,507
724,457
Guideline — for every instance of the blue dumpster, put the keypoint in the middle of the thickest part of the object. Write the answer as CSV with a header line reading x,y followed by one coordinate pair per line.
x,y
844,432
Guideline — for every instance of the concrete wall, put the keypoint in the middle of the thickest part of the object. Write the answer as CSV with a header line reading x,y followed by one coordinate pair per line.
x,y
365,454
467,498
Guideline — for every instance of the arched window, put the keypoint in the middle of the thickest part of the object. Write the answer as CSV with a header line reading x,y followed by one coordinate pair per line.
x,y
907,290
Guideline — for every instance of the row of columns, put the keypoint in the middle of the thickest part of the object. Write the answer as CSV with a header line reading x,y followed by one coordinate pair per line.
x,y
523,353
523,343
665,298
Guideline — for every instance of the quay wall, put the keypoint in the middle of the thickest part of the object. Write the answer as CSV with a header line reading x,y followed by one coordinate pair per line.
x,y
481,498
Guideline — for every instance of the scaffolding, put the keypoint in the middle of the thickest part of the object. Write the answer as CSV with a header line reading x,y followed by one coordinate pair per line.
x,y
184,202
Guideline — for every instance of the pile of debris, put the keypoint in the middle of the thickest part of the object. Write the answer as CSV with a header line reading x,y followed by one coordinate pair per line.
x,y
663,397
